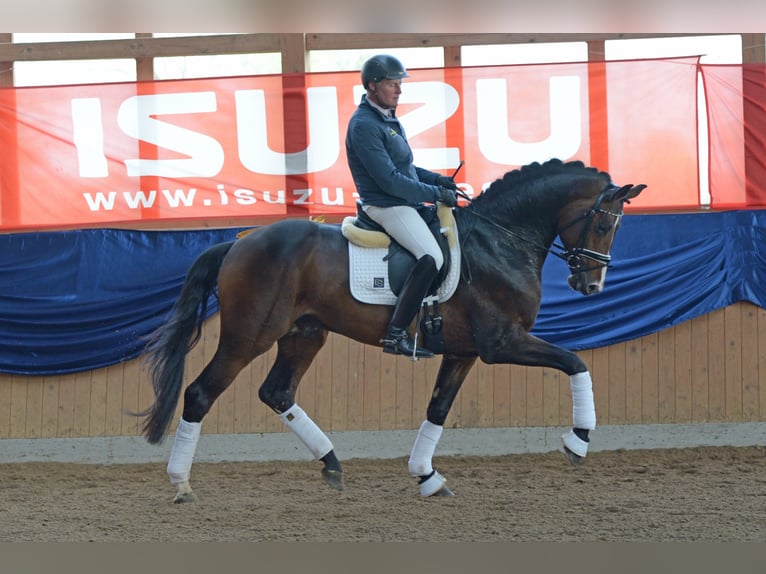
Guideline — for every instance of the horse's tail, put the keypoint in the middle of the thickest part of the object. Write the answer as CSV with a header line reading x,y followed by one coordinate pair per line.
x,y
168,345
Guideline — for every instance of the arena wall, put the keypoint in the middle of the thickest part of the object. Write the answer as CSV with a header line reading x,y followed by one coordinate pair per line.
x,y
711,369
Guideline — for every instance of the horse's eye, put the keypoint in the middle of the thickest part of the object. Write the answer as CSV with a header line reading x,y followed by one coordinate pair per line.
x,y
604,228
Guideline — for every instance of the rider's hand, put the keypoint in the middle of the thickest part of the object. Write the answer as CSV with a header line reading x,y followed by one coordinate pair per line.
x,y
447,196
446,181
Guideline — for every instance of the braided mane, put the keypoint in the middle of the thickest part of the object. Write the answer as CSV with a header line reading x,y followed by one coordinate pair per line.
x,y
534,171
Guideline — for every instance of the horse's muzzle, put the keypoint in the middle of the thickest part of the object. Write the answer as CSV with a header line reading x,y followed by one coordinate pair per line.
x,y
585,285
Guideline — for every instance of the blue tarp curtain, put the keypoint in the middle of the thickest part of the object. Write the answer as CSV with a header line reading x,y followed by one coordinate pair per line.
x,y
79,300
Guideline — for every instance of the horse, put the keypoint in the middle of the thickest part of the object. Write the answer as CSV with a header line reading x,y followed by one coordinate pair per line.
x,y
288,283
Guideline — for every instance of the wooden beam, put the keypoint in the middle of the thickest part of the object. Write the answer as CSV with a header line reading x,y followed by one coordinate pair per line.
x,y
141,47
348,41
753,48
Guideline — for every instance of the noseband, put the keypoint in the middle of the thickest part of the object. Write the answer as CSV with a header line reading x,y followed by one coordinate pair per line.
x,y
575,257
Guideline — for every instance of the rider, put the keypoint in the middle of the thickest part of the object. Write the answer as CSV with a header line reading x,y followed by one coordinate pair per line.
x,y
391,187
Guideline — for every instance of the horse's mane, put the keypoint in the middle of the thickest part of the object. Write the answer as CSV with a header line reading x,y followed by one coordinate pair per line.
x,y
516,179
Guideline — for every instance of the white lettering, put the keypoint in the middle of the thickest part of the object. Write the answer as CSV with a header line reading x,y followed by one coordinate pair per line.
x,y
88,135
180,197
301,196
323,134
325,193
140,199
245,196
280,197
100,201
492,122
205,154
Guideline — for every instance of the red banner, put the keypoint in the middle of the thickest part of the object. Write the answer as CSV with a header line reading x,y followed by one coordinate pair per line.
x,y
273,146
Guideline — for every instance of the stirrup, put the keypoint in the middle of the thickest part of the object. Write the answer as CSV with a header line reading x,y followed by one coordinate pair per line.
x,y
402,344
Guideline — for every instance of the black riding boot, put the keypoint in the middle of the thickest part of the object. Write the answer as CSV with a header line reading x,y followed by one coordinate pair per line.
x,y
398,340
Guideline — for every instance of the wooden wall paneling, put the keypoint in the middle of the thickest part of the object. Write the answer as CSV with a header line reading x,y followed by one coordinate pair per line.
x,y
666,376
405,374
750,358
18,401
551,396
114,411
683,373
388,391
50,407
518,393
650,392
485,396
617,384
634,403
243,387
66,405
716,365
700,371
598,365
83,387
501,404
354,419
733,362
372,380
6,386
468,396
34,408
534,396
98,390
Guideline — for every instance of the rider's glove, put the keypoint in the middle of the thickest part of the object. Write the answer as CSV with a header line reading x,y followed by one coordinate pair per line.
x,y
446,181
447,196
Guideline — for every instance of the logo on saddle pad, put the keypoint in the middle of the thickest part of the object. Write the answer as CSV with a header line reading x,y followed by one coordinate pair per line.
x,y
378,266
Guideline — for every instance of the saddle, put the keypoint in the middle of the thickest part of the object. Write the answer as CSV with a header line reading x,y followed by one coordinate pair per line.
x,y
379,265
361,230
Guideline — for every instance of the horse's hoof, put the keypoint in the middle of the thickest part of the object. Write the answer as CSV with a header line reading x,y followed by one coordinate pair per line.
x,y
574,459
185,497
443,491
334,478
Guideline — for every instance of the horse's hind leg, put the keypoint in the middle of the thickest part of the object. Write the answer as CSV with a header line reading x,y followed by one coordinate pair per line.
x,y
295,352
200,395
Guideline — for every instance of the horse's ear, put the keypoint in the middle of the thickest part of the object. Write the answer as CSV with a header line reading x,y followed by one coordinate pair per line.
x,y
626,192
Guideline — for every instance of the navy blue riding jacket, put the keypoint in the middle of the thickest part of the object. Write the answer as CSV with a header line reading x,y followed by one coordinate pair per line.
x,y
380,161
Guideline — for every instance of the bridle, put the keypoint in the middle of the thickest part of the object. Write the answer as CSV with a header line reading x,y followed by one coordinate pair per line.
x,y
575,257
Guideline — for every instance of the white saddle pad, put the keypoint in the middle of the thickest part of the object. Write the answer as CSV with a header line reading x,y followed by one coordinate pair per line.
x,y
368,274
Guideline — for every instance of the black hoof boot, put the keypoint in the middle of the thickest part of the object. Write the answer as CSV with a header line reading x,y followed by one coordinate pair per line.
x,y
399,342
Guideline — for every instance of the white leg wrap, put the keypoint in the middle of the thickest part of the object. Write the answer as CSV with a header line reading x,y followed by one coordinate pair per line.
x,y
424,448
583,407
433,485
310,434
182,454
575,443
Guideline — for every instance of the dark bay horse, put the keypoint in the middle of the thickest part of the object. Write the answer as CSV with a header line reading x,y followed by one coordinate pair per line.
x,y
288,283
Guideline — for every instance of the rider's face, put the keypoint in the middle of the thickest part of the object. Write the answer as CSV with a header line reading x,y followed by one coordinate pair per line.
x,y
386,93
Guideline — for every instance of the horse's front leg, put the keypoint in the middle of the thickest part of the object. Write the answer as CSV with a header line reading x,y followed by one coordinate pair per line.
x,y
295,353
452,373
528,350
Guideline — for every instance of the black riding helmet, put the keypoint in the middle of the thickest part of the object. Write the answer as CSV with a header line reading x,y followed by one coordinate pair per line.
x,y
382,67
